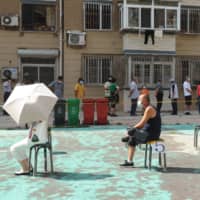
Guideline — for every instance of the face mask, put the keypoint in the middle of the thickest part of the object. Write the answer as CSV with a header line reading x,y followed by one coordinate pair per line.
x,y
81,82
139,104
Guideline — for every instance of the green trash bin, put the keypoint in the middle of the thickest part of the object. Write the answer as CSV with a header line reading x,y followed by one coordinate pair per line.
x,y
73,112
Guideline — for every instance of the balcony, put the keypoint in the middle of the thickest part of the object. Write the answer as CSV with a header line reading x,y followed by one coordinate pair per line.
x,y
150,16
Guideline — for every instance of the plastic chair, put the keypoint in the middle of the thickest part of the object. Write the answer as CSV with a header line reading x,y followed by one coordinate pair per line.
x,y
36,148
159,147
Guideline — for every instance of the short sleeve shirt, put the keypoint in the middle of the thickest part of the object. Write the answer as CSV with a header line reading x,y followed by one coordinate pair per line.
x,y
133,86
186,86
80,89
58,88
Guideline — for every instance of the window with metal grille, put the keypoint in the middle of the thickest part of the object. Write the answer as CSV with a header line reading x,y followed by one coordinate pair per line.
x,y
98,15
188,66
96,68
190,20
150,69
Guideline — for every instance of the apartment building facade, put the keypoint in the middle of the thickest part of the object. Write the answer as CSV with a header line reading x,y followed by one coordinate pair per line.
x,y
149,39
29,38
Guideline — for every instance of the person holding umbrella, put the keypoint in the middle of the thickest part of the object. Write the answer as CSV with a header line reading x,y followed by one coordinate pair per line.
x,y
37,134
33,104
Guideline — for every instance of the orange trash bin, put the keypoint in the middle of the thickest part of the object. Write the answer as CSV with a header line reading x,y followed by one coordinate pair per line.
x,y
88,111
102,110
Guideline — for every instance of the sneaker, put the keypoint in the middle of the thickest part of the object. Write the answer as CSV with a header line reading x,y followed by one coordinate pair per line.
x,y
127,164
125,139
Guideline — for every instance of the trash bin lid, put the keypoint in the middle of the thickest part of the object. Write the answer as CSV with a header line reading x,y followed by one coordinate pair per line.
x,y
88,100
102,100
73,100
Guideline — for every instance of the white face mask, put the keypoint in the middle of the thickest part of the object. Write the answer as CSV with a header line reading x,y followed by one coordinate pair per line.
x,y
139,104
81,82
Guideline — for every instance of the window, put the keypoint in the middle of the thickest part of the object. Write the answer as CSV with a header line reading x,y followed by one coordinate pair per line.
x,y
188,66
171,19
39,15
157,72
38,69
133,19
150,69
190,20
150,17
98,15
96,69
159,18
146,17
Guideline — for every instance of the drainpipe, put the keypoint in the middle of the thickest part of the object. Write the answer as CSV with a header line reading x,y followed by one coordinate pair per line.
x,y
61,47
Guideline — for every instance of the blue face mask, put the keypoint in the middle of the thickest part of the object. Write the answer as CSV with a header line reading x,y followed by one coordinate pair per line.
x,y
81,82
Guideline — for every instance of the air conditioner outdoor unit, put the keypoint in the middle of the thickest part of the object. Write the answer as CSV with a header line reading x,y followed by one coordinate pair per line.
x,y
9,72
9,21
76,38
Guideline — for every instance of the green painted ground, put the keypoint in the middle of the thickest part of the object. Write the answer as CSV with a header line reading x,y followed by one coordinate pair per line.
x,y
86,164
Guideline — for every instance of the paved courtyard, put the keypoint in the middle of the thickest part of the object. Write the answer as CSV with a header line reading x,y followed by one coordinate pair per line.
x,y
86,164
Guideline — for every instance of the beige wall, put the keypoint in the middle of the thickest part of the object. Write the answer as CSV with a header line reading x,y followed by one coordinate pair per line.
x,y
136,42
9,7
104,42
11,39
188,44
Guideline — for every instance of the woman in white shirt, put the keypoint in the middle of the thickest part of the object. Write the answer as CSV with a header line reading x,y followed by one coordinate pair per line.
x,y
37,134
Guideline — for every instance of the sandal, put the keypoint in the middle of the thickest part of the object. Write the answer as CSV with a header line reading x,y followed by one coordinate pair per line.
x,y
19,173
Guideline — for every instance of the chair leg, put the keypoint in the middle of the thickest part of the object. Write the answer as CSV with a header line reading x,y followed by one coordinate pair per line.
x,y
195,137
35,161
150,156
145,157
165,162
51,159
45,159
196,134
29,161
159,159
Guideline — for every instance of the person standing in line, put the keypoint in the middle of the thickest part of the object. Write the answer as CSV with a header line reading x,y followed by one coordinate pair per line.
x,y
198,96
107,92
114,97
144,90
173,95
187,91
107,87
159,95
79,89
7,89
133,94
57,87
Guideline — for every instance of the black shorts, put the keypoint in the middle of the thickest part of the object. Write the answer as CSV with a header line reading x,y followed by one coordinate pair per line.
x,y
188,100
140,137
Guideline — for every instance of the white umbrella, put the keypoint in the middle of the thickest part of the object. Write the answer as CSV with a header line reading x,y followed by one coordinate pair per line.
x,y
28,103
